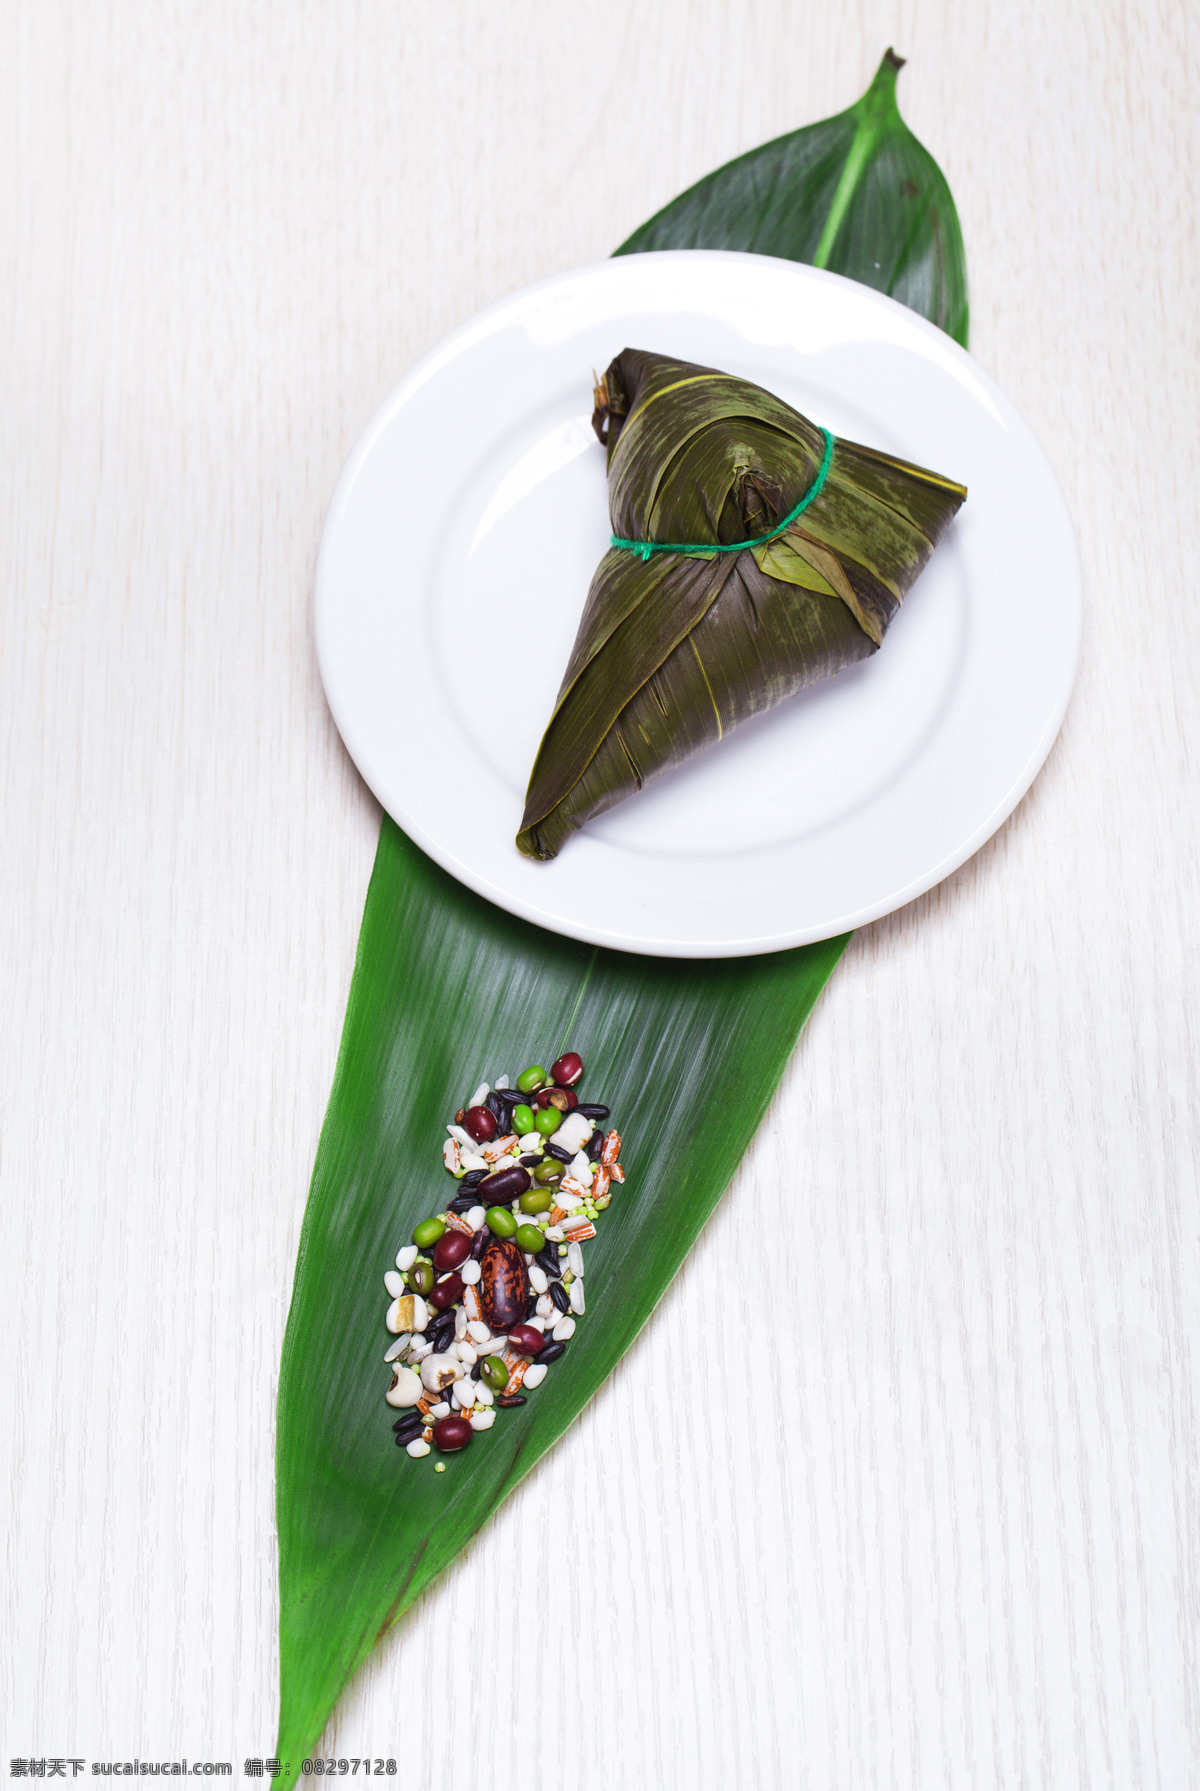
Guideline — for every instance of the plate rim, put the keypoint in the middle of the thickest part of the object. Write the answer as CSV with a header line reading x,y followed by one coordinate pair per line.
x,y
477,327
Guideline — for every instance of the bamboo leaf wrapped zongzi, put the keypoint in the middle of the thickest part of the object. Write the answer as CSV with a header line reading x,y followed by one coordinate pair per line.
x,y
753,554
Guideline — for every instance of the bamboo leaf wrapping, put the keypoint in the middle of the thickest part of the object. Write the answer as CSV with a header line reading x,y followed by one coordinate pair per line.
x,y
447,988
676,650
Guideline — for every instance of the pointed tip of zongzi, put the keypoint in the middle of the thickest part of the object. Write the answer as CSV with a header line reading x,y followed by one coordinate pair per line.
x,y
600,407
531,845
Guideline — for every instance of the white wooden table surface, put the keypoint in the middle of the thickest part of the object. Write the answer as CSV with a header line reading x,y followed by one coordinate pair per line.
x,y
973,1557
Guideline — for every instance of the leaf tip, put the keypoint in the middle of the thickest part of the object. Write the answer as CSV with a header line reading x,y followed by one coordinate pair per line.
x,y
879,101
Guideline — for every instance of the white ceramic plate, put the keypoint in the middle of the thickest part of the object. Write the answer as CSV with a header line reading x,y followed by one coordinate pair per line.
x,y
464,533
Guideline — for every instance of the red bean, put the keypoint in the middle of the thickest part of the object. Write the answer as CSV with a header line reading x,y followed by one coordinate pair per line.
x,y
451,1248
527,1339
480,1122
446,1292
567,1070
505,1186
451,1433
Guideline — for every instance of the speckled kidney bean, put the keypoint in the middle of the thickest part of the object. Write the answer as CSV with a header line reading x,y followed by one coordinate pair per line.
x,y
503,1285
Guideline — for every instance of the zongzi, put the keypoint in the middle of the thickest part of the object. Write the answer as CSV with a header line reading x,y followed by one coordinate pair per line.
x,y
753,553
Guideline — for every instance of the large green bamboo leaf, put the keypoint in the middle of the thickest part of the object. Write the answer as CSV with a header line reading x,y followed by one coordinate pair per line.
x,y
856,193
447,989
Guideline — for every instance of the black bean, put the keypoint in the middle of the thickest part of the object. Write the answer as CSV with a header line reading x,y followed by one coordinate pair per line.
x,y
407,1429
551,1353
548,1258
463,1204
531,1305
441,1333
477,1371
511,1399
473,1177
556,1150
529,1159
560,1296
495,1106
591,1112
594,1146
480,1243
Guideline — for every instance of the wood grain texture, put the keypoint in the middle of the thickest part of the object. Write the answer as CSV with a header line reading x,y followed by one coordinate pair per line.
x,y
963,1250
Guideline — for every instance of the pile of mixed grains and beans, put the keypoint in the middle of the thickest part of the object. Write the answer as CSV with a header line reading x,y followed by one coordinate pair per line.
x,y
488,1293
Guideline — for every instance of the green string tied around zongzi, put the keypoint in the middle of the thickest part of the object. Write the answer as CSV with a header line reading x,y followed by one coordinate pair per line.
x,y
645,548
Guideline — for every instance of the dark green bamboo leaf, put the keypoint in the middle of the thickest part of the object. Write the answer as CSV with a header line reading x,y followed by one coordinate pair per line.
x,y
446,991
444,987
675,651
856,193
